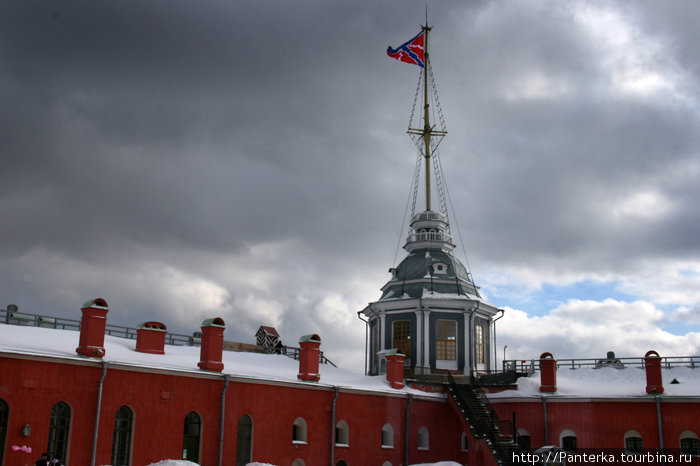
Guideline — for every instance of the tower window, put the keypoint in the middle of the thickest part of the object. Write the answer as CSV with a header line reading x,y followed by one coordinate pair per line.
x,y
401,336
480,344
446,340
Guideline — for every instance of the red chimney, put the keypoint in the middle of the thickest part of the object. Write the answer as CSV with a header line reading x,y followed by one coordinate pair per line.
x,y
309,355
212,345
652,364
92,328
150,338
394,367
548,373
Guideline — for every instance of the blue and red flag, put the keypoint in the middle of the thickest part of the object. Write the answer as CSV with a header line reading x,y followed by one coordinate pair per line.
x,y
412,51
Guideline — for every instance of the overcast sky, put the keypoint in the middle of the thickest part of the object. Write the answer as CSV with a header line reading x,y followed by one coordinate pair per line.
x,y
248,160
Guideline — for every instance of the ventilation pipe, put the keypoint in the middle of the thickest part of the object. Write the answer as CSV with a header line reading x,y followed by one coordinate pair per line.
x,y
548,373
150,338
212,347
652,365
309,355
92,328
394,367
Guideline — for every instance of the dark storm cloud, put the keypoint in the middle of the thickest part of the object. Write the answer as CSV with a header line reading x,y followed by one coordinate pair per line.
x,y
184,157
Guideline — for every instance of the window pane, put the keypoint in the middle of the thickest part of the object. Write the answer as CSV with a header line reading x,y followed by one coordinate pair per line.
x,y
190,438
480,345
58,431
569,444
633,445
446,340
690,446
121,439
244,448
401,337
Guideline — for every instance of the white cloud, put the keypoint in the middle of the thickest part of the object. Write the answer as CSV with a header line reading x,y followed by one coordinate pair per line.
x,y
588,329
637,63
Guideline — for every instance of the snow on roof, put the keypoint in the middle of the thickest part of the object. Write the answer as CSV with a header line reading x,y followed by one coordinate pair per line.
x,y
607,382
46,342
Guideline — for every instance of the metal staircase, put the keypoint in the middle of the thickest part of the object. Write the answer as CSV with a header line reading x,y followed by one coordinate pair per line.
x,y
483,421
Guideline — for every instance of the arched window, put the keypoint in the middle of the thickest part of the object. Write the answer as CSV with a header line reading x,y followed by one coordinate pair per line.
x,y
524,440
299,430
464,442
341,463
633,442
4,415
342,434
690,445
387,436
386,463
423,439
567,441
58,431
244,447
190,438
298,462
121,438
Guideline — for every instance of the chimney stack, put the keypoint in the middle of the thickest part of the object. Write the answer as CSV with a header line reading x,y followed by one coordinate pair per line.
x,y
548,373
212,347
309,355
92,328
150,338
394,367
652,365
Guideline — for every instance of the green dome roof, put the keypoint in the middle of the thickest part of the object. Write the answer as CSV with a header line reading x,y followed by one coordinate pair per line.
x,y
429,270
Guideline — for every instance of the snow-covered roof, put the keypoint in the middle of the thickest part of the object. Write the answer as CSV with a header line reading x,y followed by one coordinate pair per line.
x,y
273,368
607,382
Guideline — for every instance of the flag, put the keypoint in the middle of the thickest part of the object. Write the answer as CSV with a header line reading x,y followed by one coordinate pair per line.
x,y
412,51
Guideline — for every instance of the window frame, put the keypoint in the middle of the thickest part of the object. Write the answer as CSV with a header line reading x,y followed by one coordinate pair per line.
x,y
191,416
446,340
300,431
342,434
689,437
423,438
401,336
480,343
634,444
117,440
387,434
59,433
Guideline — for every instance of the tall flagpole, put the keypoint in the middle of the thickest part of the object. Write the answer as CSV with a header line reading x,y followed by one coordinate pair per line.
x,y
426,119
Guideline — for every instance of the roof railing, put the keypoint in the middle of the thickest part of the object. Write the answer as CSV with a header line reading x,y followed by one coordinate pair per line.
x,y
12,317
429,236
530,366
